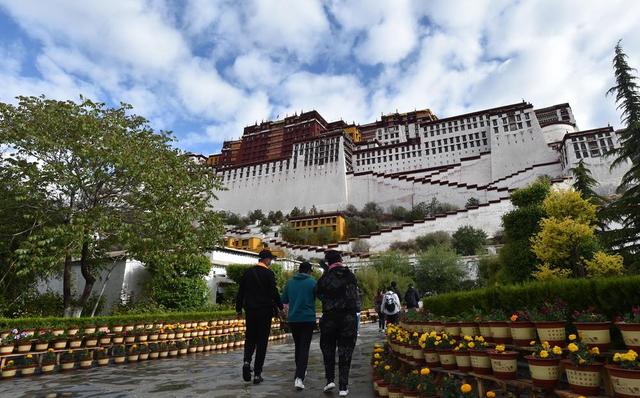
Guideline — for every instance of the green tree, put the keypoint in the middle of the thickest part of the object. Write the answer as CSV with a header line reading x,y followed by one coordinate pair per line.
x,y
472,202
439,270
584,183
520,224
392,262
468,241
436,238
256,215
112,183
625,209
372,210
399,213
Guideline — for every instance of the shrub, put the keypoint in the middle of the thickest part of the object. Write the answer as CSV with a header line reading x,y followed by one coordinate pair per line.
x,y
437,238
469,241
439,270
610,296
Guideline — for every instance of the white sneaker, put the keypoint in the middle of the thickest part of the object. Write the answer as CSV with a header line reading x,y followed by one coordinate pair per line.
x,y
298,384
329,387
343,393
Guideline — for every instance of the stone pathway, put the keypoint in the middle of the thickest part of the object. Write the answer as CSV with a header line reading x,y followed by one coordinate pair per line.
x,y
205,375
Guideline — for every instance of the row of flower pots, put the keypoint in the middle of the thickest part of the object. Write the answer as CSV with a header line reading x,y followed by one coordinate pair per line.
x,y
27,365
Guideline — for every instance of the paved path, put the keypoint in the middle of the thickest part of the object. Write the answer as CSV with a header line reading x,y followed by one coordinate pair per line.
x,y
205,375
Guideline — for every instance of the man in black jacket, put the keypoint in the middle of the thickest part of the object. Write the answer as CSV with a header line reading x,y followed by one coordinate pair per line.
x,y
337,288
411,298
258,295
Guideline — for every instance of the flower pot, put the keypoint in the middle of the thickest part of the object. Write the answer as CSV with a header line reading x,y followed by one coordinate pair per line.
x,y
583,380
28,371
417,354
117,328
91,342
504,364
383,389
72,331
9,373
173,353
480,362
75,343
6,349
154,355
67,365
59,344
595,334
463,361
171,336
630,334
130,339
133,358
193,349
447,359
452,328
105,340
522,333
500,332
42,346
469,329
395,392
179,335
86,364
552,332
103,361
48,368
57,332
431,358
24,347
142,337
143,357
128,328
545,373
626,382
118,339
119,359
153,337
164,354
182,351
409,394
200,349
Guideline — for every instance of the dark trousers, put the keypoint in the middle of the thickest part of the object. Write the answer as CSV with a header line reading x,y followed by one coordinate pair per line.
x,y
380,320
393,318
302,333
257,336
338,330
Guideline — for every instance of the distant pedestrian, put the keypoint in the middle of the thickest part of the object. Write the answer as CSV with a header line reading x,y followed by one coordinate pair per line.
x,y
377,301
299,293
391,306
411,298
258,296
338,291
394,288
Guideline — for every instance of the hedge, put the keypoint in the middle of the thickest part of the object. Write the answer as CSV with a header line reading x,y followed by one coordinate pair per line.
x,y
24,323
611,296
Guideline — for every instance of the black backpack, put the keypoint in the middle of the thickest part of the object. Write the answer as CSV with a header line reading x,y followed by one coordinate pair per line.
x,y
389,303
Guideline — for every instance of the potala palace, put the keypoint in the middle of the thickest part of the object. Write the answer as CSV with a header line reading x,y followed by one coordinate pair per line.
x,y
406,158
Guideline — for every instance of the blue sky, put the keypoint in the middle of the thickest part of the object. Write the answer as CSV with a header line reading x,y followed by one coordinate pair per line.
x,y
205,68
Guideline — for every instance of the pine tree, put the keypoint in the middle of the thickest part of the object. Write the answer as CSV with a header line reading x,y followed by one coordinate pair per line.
x,y
584,182
626,209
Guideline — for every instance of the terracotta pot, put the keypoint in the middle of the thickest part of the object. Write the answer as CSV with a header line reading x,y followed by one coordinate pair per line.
x,y
48,368
504,364
583,380
522,333
630,334
480,362
447,359
431,358
28,371
500,332
183,351
626,382
553,332
463,361
57,332
545,373
469,329
193,349
485,331
143,337
595,334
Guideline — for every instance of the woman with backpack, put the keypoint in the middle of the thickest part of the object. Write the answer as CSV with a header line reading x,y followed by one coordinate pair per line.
x,y
391,306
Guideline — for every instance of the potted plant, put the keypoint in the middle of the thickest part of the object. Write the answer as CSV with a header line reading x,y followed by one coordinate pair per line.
x,y
453,388
625,374
103,338
72,330
463,360
410,384
593,328
90,340
7,343
27,365
143,351
162,334
395,384
173,349
117,327
378,377
101,356
9,369
452,326
154,350
468,323
129,336
504,363
500,331
133,353
426,384
67,360
550,320
182,347
75,341
103,328
89,329
23,341
57,330
163,350
85,358
193,344
119,353
480,361
60,342
522,329
48,364
544,365
43,339
444,347
630,328
583,371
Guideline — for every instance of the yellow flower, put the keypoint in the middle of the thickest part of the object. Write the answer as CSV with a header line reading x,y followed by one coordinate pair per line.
x,y
500,348
50,350
572,337
9,363
377,356
532,342
415,372
471,344
452,342
438,338
581,396
29,356
617,357
415,334
456,349
480,339
582,361
387,367
425,371
467,338
544,354
572,347
557,350
491,394
595,351
465,388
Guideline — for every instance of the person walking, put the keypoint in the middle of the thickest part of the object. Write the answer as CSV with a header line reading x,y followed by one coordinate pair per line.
x,y
391,306
338,291
258,296
299,293
378,305
411,298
